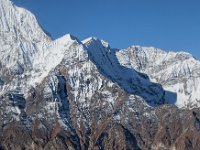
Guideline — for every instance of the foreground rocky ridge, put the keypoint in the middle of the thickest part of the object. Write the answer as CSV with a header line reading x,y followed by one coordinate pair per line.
x,y
174,129
72,94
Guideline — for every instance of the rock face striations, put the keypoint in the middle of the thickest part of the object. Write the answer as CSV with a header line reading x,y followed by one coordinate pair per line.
x,y
72,94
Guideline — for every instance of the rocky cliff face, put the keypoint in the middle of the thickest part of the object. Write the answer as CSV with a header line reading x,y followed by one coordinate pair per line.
x,y
72,94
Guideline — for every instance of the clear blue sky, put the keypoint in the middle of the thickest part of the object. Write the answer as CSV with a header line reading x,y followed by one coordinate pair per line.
x,y
166,24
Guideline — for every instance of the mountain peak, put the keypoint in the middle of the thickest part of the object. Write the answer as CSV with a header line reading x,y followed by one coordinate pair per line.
x,y
17,20
95,40
68,38
71,37
90,40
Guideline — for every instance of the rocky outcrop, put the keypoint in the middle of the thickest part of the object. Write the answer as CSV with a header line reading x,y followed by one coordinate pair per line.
x,y
174,129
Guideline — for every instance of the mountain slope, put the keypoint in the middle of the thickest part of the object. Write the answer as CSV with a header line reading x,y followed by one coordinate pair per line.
x,y
68,94
176,72
131,81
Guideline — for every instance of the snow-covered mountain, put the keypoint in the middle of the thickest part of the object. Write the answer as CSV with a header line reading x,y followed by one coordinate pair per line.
x,y
177,72
27,52
72,94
